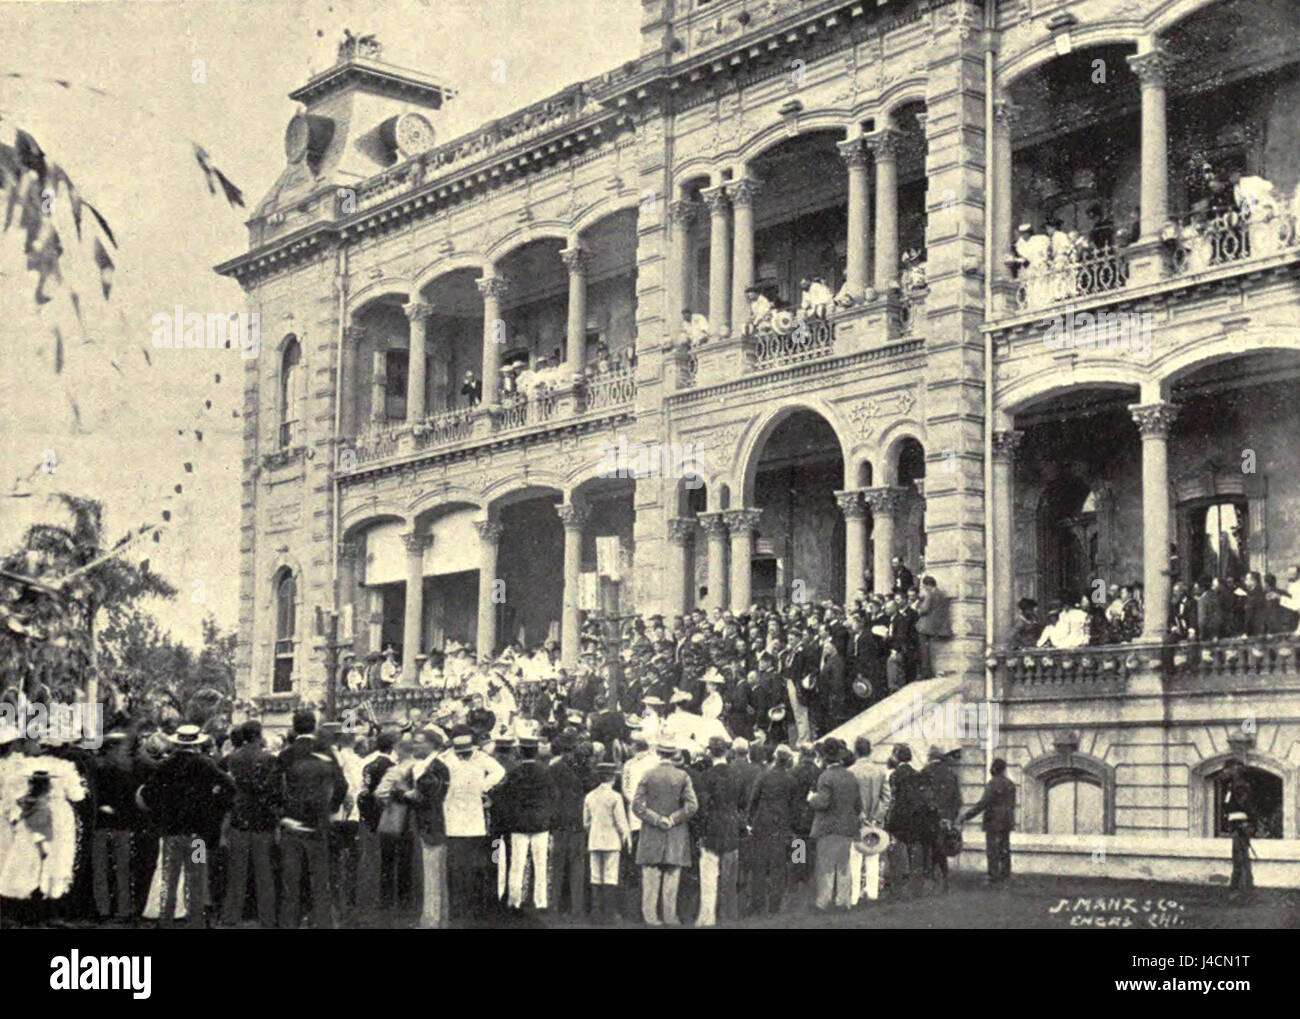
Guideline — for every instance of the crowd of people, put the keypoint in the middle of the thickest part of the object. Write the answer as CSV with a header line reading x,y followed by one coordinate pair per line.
x,y
413,824
524,378
1211,608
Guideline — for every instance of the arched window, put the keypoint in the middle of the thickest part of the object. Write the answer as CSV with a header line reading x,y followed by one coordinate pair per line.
x,y
1075,804
286,613
1218,540
290,388
1266,795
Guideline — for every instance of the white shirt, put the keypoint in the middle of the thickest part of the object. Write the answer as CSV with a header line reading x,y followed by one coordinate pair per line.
x,y
634,770
352,767
472,778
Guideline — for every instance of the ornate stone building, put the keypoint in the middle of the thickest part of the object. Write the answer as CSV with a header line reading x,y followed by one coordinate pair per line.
x,y
1027,432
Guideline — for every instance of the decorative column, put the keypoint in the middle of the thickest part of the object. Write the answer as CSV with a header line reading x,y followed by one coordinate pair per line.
x,y
489,540
884,147
413,617
682,214
1005,116
379,388
493,289
742,523
1152,69
418,314
1154,421
576,260
719,259
855,157
574,518
855,541
715,526
350,555
347,381
884,503
742,192
677,572
1005,444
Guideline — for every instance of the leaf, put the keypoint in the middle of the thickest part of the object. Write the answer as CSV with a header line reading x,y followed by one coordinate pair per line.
x,y
58,351
105,264
30,154
103,224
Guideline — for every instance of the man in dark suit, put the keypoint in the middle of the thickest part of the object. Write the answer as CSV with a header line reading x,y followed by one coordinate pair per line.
x,y
187,795
831,694
721,799
254,817
945,793
903,579
837,805
1255,608
772,807
529,798
1239,817
998,805
314,788
902,637
933,623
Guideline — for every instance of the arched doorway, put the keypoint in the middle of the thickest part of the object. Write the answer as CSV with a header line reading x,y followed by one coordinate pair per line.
x,y
799,548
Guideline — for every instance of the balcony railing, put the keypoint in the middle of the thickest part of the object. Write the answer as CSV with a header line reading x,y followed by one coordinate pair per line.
x,y
378,442
1243,663
789,340
608,389
1071,277
444,428
526,412
1199,242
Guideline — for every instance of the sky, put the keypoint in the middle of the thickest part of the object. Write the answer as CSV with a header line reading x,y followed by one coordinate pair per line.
x,y
120,420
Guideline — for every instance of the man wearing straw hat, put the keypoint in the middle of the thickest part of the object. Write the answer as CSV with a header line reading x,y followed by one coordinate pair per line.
x,y
665,802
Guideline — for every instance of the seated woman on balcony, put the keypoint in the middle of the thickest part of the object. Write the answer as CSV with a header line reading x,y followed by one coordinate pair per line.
x,y
1072,628
1032,261
695,328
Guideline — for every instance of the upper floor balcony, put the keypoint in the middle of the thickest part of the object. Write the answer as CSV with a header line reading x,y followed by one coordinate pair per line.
x,y
1170,178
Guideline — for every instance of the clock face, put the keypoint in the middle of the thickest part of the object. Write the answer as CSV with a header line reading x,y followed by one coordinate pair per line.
x,y
413,134
296,136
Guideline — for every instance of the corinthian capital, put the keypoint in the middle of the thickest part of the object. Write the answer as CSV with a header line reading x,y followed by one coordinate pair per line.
x,y
743,192
742,521
884,501
493,286
489,531
683,213
572,517
851,504
417,310
716,200
853,152
713,523
884,144
680,530
1152,68
1154,420
416,543
576,260
1006,443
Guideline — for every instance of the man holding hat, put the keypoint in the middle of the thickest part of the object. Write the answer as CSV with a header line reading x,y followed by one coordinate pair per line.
x,y
665,802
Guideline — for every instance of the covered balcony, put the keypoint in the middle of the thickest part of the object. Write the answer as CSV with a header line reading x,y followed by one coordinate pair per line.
x,y
813,249
1156,164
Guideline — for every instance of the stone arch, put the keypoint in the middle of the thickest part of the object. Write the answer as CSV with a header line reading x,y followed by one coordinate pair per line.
x,y
538,484
1200,791
372,293
1171,12
1056,380
895,98
816,122
1116,32
547,230
446,266
756,435
692,169
603,208
1038,775
357,520
1221,346
443,500
889,444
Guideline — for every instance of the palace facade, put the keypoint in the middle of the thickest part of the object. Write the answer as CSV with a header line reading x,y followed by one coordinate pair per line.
x,y
1127,414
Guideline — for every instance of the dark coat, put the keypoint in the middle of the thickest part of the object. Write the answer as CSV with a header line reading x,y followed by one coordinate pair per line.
x,y
115,787
746,772
903,580
911,810
426,801
665,792
569,794
775,802
527,798
314,785
721,800
933,617
258,791
836,804
998,805
945,790
188,794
